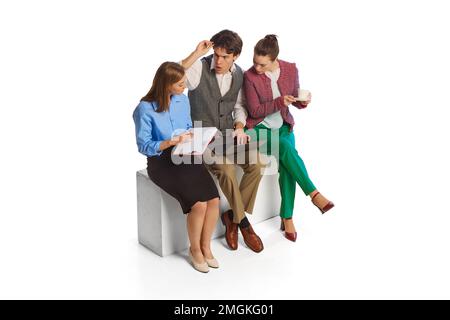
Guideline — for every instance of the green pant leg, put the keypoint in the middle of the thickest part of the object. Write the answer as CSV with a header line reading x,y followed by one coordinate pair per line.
x,y
291,167
292,162
287,190
286,183
261,134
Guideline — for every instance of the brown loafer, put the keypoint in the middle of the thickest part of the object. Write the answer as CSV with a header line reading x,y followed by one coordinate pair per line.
x,y
251,239
231,230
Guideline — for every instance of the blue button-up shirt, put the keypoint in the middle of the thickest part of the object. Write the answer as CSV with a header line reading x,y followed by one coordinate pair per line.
x,y
152,127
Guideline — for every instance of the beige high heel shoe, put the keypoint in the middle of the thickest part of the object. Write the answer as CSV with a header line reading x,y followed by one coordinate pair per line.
x,y
201,267
213,263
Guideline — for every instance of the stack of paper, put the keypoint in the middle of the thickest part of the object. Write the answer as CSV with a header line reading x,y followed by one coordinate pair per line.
x,y
197,145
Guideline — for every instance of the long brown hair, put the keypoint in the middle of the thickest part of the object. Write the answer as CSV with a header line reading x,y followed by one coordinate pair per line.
x,y
268,46
167,74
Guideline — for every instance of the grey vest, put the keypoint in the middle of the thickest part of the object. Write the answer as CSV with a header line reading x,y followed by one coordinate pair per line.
x,y
208,105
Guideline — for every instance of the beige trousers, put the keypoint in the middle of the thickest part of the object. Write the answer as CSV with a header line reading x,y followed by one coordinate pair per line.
x,y
240,196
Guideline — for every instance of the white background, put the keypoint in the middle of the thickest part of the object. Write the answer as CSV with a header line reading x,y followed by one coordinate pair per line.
x,y
375,141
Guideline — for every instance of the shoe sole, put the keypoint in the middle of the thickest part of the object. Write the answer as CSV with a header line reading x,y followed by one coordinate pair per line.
x,y
198,270
328,207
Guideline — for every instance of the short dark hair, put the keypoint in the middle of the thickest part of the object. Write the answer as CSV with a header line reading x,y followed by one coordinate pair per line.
x,y
268,46
228,40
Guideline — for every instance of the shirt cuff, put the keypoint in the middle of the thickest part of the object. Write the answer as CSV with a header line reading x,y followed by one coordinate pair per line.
x,y
243,121
157,148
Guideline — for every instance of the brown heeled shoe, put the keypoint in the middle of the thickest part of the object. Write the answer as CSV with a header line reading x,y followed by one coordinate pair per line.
x,y
327,207
292,236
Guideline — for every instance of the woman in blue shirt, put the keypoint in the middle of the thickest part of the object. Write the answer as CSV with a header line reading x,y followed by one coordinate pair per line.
x,y
162,121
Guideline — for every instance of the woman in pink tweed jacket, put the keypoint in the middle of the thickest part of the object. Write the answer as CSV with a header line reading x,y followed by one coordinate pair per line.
x,y
270,86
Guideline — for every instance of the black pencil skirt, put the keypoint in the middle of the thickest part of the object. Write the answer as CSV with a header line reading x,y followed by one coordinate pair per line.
x,y
188,183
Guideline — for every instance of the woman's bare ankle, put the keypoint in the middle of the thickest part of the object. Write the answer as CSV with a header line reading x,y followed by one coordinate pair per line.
x,y
289,225
206,251
322,201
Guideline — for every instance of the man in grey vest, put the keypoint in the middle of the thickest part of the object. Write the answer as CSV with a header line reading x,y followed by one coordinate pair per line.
x,y
216,99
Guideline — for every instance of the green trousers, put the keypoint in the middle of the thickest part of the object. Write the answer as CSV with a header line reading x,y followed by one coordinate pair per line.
x,y
291,167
